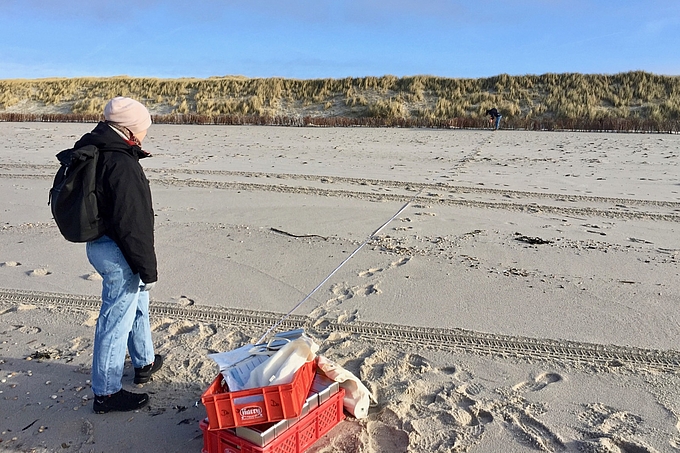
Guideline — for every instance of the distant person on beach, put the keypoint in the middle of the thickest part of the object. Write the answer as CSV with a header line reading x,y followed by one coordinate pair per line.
x,y
124,256
494,117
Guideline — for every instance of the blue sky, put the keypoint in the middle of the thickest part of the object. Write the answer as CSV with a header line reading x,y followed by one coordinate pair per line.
x,y
307,39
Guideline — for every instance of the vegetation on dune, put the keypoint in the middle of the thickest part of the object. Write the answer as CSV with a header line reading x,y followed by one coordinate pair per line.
x,y
627,101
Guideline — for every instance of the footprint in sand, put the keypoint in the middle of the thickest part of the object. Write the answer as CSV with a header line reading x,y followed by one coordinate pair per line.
x,y
184,301
456,416
27,329
449,370
541,382
464,414
161,325
10,264
318,313
415,363
400,262
385,365
198,331
611,429
341,294
80,344
347,317
87,429
182,327
521,421
370,272
392,265
40,272
367,290
387,437
470,389
519,414
93,277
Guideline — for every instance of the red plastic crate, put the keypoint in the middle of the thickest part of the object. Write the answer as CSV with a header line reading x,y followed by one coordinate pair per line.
x,y
259,405
296,439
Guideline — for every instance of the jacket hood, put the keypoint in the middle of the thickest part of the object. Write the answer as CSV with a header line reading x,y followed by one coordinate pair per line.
x,y
103,137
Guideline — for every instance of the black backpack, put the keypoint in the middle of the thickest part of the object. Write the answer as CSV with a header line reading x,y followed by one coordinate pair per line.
x,y
73,198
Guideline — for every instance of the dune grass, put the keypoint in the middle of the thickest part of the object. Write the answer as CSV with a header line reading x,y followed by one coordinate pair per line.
x,y
632,98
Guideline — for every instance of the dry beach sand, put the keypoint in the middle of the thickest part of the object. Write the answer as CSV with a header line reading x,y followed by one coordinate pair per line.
x,y
527,299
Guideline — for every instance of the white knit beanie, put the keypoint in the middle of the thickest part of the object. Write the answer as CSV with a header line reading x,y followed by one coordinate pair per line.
x,y
129,113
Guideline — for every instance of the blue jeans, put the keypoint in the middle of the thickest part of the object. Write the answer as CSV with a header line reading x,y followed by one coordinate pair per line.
x,y
123,318
498,122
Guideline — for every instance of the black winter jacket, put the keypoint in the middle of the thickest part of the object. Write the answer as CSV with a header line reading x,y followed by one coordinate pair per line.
x,y
493,113
124,199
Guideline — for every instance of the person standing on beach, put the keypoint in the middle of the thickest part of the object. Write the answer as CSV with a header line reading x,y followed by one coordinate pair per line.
x,y
124,256
494,117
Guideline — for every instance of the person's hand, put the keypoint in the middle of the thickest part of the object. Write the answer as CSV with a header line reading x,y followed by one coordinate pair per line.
x,y
147,286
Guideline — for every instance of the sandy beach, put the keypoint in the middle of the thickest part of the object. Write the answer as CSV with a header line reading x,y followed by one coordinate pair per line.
x,y
526,299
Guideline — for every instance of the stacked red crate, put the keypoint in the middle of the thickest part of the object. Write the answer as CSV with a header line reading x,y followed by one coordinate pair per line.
x,y
275,419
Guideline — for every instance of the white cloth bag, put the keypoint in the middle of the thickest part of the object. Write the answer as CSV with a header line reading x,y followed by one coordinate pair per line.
x,y
357,397
282,365
237,365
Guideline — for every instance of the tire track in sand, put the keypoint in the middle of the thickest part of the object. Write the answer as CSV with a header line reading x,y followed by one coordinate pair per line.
x,y
439,193
466,341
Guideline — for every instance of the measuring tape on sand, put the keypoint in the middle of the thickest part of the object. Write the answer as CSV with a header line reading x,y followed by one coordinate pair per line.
x,y
371,236
278,323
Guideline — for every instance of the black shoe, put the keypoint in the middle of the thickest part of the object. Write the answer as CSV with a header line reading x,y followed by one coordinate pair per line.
x,y
120,401
143,374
